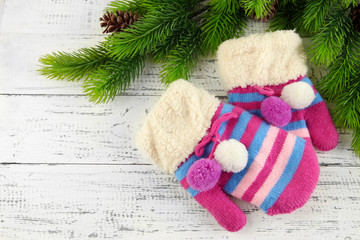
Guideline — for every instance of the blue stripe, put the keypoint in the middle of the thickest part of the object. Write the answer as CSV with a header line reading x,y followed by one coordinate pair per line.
x,y
295,125
183,169
246,97
286,176
307,80
192,191
253,150
317,99
226,109
241,125
256,112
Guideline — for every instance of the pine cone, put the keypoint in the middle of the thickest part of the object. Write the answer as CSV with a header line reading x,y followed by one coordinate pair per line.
x,y
116,22
355,16
270,15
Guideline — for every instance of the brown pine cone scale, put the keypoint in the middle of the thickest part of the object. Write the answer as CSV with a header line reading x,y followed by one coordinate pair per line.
x,y
116,22
355,17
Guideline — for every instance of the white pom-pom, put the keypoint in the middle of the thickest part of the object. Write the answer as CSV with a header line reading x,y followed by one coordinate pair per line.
x,y
232,155
298,95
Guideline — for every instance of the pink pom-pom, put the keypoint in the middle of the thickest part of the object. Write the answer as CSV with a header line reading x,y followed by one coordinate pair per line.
x,y
204,174
276,111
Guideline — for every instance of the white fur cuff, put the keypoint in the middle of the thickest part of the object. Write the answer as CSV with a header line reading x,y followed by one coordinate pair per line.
x,y
177,123
261,59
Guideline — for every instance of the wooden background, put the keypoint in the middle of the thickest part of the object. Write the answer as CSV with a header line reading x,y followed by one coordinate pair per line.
x,y
70,169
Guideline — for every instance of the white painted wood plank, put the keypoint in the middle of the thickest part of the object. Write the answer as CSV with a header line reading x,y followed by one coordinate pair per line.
x,y
2,3
69,129
139,202
58,16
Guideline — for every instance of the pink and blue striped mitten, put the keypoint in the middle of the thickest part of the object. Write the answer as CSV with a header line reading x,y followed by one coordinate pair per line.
x,y
266,75
217,149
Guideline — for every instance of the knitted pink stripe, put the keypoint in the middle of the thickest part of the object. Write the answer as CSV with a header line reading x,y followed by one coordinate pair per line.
x,y
298,115
277,88
248,89
184,183
268,166
225,211
302,132
258,163
231,124
301,186
250,131
276,172
248,105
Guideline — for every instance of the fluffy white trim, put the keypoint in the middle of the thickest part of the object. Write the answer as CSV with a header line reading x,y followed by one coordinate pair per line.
x,y
261,59
232,155
177,123
298,95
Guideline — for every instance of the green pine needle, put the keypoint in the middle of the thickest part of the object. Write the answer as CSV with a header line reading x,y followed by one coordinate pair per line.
x,y
315,13
327,44
347,110
259,8
226,6
163,48
287,16
72,66
113,78
148,32
132,6
182,59
220,26
355,144
344,68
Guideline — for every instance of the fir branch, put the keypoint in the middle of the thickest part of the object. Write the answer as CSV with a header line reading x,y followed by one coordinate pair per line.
x,y
284,2
346,113
182,59
113,78
132,6
347,3
148,32
327,44
285,17
73,66
355,143
226,6
259,8
344,68
163,48
220,26
185,4
315,13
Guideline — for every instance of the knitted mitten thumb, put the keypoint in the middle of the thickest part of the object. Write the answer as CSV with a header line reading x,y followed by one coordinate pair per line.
x,y
168,138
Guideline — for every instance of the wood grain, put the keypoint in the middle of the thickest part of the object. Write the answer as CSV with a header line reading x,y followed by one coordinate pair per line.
x,y
69,129
139,202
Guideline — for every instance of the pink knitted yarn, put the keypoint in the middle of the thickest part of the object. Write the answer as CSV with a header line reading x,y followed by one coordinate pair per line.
x,y
204,174
225,211
301,186
276,111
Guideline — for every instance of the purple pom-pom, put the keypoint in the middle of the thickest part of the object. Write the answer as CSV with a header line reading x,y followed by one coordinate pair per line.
x,y
276,111
204,174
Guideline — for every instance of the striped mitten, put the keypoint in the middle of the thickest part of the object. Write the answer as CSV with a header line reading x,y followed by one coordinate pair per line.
x,y
266,75
215,149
